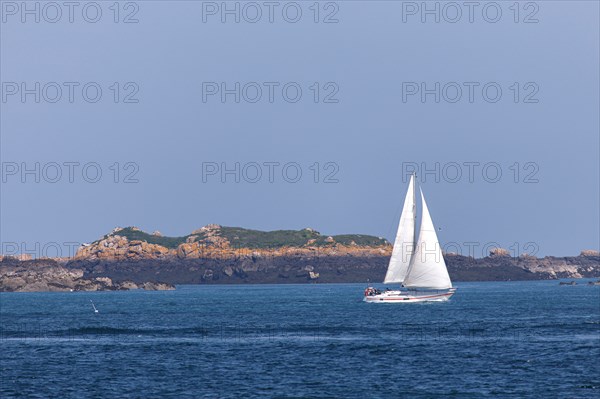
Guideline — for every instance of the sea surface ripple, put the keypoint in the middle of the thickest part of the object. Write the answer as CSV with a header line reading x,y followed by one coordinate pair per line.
x,y
506,340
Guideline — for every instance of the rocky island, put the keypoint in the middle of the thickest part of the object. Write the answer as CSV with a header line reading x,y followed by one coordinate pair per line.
x,y
129,258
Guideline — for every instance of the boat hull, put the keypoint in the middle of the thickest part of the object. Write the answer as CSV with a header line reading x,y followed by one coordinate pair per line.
x,y
410,296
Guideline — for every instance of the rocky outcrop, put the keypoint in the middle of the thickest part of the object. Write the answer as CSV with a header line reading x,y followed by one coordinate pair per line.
x,y
49,275
16,257
496,252
501,267
590,253
300,268
118,248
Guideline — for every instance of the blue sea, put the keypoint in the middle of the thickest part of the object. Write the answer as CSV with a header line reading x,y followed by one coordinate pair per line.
x,y
492,339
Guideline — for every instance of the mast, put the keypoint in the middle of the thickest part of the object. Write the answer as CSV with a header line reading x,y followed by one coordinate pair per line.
x,y
414,193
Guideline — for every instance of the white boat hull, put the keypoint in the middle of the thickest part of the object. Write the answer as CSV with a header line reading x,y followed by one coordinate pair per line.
x,y
410,296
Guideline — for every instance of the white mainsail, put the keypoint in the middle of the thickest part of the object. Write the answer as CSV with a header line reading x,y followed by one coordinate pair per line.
x,y
405,239
427,267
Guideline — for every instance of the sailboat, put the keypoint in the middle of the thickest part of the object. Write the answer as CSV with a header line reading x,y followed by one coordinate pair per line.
x,y
417,263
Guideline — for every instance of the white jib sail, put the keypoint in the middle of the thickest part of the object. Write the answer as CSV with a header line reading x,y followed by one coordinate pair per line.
x,y
405,239
427,268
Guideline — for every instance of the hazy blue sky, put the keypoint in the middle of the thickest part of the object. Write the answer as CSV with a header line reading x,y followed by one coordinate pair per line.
x,y
370,57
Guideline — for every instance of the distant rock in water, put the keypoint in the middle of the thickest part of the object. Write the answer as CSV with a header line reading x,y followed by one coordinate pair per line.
x,y
149,286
